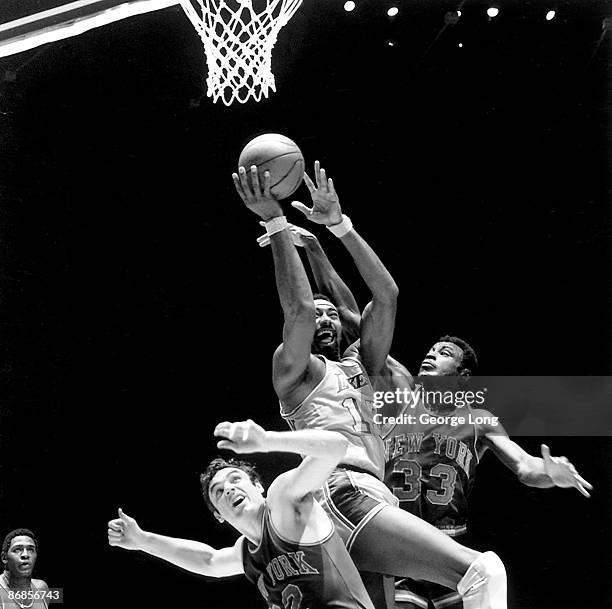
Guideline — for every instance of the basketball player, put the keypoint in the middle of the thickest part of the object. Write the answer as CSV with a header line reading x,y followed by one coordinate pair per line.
x,y
319,389
18,589
431,462
431,465
288,546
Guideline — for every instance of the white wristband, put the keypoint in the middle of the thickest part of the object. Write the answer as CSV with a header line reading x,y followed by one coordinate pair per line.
x,y
339,230
276,225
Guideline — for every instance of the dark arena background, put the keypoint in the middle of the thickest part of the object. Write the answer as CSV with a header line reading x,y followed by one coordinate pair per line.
x,y
137,310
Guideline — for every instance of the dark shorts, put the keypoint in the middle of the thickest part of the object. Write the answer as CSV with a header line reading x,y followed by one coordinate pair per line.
x,y
352,498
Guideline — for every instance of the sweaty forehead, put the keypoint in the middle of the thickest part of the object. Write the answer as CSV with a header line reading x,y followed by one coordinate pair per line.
x,y
22,540
320,303
455,349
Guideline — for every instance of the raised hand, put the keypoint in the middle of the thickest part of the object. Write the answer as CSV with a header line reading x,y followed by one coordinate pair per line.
x,y
325,202
125,533
242,437
257,198
563,473
300,236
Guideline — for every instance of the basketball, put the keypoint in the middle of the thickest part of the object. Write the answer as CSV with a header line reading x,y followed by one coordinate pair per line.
x,y
280,156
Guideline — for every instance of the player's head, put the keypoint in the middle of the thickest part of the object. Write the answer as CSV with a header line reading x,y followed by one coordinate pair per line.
x,y
19,552
232,490
450,356
328,331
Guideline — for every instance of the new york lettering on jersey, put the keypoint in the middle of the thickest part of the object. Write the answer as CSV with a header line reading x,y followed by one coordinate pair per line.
x,y
431,465
344,401
303,576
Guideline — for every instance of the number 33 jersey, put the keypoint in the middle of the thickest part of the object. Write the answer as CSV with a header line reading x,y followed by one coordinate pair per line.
x,y
343,402
431,463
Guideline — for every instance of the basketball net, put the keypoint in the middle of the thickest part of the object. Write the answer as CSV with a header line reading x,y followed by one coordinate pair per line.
x,y
238,42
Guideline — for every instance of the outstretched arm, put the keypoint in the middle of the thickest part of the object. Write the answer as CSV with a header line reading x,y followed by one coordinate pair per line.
x,y
194,556
540,472
378,319
292,358
322,451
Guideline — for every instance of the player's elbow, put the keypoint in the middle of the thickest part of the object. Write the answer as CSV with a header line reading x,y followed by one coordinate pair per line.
x,y
208,565
389,293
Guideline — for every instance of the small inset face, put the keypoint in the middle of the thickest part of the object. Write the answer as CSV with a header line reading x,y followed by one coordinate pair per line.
x,y
328,326
21,556
443,359
234,496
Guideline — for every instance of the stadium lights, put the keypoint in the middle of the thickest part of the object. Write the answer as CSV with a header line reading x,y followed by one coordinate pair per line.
x,y
492,11
550,15
349,6
393,11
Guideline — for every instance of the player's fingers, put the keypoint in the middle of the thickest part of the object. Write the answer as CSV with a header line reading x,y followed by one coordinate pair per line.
x,y
583,481
238,186
255,180
242,179
323,184
114,534
122,515
222,429
246,430
582,490
545,452
317,172
307,211
232,431
267,181
309,183
116,525
226,444
330,184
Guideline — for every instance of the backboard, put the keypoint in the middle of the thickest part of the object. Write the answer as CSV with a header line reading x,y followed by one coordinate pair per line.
x,y
26,24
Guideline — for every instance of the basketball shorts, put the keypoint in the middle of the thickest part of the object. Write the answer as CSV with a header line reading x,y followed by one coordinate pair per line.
x,y
352,498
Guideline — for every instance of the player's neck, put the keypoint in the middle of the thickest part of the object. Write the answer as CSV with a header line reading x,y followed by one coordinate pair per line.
x,y
330,353
438,382
15,582
252,527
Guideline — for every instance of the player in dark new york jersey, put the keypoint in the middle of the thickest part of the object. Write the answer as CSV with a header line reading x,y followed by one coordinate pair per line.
x,y
320,388
431,462
288,546
432,458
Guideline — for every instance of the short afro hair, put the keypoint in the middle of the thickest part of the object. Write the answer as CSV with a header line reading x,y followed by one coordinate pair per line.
x,y
469,359
6,544
217,465
320,296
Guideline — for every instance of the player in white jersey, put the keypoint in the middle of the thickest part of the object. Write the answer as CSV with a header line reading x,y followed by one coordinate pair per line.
x,y
426,461
319,389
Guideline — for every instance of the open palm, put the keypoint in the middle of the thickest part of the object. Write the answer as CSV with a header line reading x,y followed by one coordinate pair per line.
x,y
325,202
